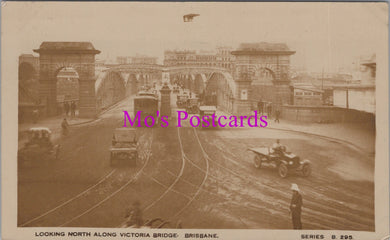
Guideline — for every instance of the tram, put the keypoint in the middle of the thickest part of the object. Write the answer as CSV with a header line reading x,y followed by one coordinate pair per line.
x,y
147,102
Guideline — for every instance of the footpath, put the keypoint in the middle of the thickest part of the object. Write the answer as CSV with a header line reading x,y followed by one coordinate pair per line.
x,y
361,135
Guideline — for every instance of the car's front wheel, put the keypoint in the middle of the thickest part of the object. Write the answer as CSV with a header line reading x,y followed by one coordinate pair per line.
x,y
283,170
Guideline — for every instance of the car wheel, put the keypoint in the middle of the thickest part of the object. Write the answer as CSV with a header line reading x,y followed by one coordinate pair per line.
x,y
306,169
283,170
257,160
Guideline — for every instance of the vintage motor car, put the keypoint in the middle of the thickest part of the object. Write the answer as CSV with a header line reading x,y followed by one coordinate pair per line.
x,y
38,149
124,147
181,101
284,161
192,106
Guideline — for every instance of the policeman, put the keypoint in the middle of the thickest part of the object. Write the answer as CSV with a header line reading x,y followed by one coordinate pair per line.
x,y
135,215
296,207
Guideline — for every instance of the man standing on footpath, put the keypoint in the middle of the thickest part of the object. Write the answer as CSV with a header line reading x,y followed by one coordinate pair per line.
x,y
66,107
296,207
73,109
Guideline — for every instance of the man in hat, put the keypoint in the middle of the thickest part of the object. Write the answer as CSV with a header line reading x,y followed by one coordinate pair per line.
x,y
134,216
296,207
278,148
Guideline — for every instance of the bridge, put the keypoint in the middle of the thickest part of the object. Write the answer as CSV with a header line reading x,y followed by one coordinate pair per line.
x,y
260,73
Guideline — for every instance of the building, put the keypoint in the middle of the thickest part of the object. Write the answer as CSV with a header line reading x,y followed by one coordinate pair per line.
x,y
364,69
359,96
224,57
138,60
179,58
221,58
307,95
122,60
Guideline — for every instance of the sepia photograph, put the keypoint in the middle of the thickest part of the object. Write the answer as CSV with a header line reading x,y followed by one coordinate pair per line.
x,y
189,120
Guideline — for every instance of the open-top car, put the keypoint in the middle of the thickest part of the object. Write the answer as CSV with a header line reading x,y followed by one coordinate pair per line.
x,y
284,161
124,147
38,149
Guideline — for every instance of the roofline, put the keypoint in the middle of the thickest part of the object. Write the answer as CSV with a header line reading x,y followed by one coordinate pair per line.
x,y
90,51
261,52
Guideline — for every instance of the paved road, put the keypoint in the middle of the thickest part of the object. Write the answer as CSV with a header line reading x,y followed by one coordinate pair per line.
x,y
201,178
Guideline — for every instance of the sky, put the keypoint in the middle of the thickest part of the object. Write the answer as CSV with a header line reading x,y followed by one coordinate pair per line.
x,y
324,35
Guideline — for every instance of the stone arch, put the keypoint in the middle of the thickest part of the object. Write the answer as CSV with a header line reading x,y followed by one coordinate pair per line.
x,y
67,87
56,55
131,85
220,91
264,75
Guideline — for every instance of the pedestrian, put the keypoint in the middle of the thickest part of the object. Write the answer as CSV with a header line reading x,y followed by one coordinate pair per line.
x,y
269,110
134,215
277,114
64,126
73,108
296,207
66,108
35,115
260,107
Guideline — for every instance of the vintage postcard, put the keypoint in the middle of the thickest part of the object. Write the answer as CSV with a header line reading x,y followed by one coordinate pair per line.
x,y
194,120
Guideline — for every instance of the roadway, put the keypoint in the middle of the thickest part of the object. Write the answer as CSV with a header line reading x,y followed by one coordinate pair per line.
x,y
201,178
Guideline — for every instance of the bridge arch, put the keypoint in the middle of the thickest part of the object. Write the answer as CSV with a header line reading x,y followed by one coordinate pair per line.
x,y
131,85
220,91
199,83
110,89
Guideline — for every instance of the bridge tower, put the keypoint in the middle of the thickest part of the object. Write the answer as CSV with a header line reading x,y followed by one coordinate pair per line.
x,y
53,57
261,73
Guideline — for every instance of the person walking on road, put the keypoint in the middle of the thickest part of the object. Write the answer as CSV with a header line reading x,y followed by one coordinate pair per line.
x,y
260,107
277,114
65,127
73,109
296,207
